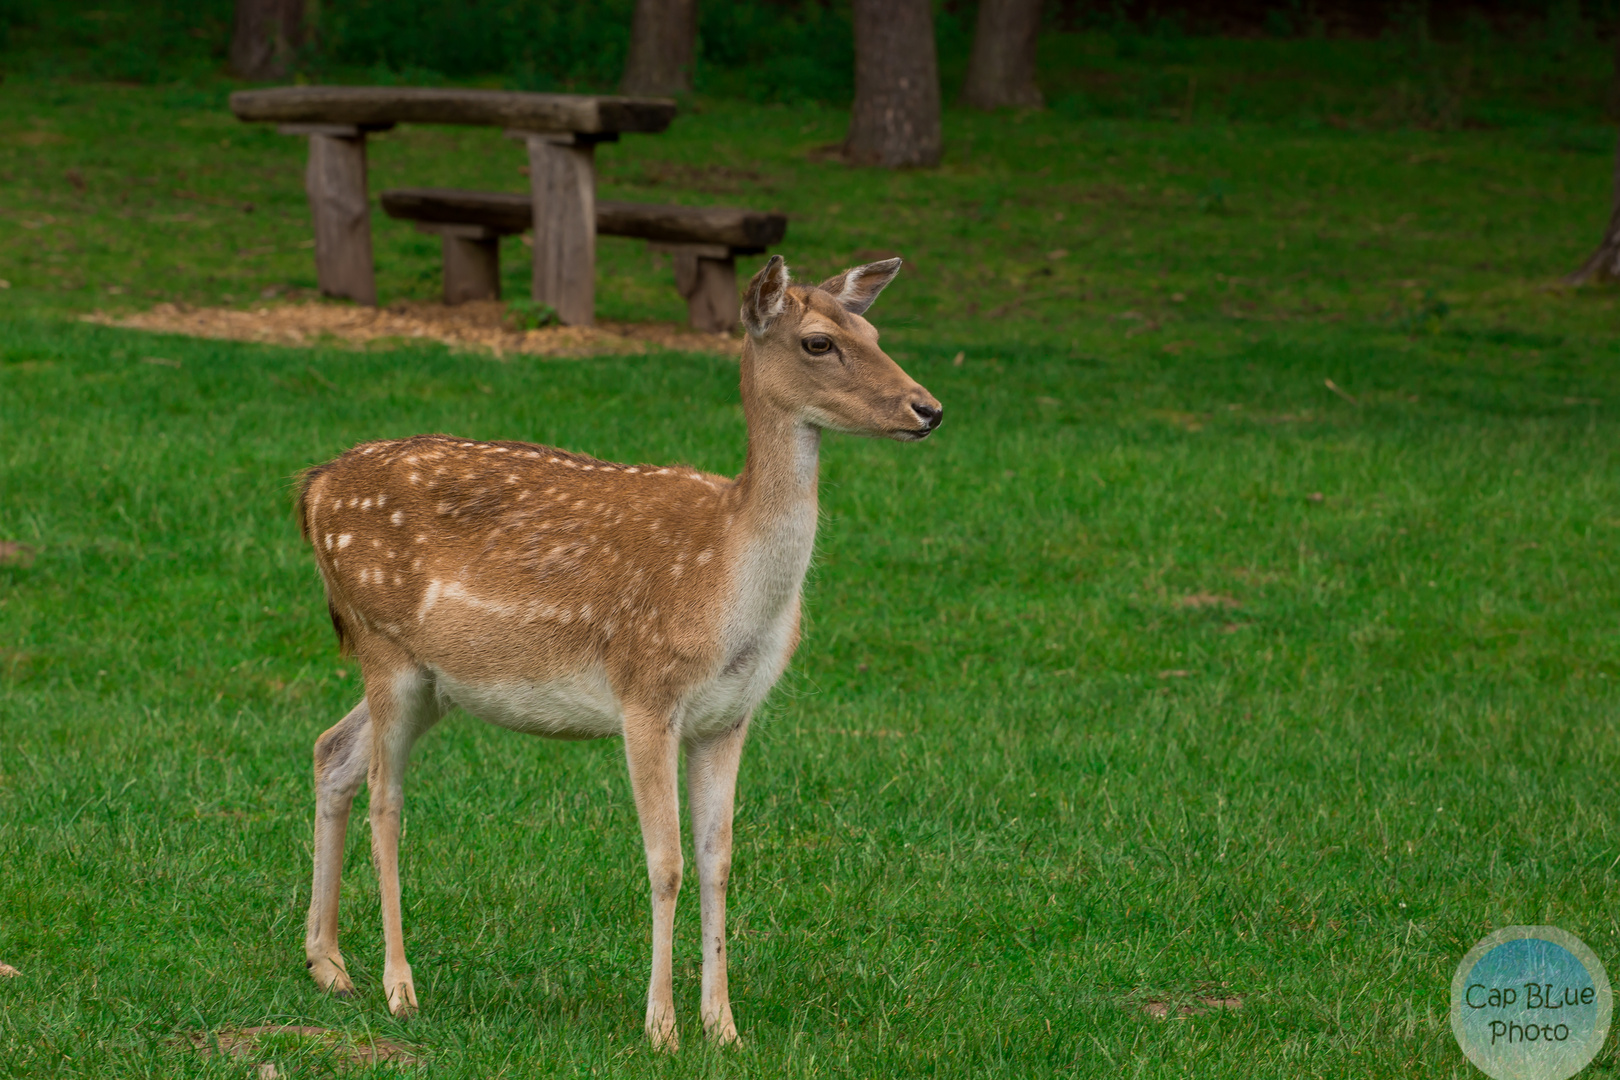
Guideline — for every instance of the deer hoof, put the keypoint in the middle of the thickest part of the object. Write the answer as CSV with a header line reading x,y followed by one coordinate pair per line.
x,y
663,1035
720,1029
329,975
402,999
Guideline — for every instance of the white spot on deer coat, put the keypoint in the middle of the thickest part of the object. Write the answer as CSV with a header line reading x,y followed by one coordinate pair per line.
x,y
430,596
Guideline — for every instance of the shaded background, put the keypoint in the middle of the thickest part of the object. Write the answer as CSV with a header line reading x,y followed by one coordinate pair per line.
x,y
1439,64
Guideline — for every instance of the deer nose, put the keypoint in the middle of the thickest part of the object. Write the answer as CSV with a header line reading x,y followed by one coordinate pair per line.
x,y
928,414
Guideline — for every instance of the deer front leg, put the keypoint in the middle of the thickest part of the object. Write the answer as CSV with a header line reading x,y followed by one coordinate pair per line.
x,y
711,782
342,754
652,750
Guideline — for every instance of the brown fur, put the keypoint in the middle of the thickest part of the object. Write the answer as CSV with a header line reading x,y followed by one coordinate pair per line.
x,y
548,532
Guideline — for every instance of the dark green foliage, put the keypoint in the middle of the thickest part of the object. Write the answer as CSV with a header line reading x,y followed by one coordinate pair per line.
x,y
1442,69
150,41
535,44
776,52
1398,80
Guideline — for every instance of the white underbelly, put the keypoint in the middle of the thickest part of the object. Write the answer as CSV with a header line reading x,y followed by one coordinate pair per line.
x,y
580,706
717,705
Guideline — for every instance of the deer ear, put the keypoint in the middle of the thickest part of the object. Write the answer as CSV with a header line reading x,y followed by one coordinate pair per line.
x,y
858,286
766,296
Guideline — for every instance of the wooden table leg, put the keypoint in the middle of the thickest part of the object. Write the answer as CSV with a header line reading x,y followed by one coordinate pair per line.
x,y
706,274
472,261
712,304
336,183
562,178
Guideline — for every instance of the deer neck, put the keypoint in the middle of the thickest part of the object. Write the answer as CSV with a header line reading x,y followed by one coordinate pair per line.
x,y
776,498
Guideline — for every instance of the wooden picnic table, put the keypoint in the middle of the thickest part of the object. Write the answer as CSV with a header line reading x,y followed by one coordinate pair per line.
x,y
560,130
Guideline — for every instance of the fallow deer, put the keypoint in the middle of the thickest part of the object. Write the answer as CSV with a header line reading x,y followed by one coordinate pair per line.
x,y
553,593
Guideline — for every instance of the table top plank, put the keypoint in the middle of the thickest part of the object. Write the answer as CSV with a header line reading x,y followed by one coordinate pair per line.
x,y
379,105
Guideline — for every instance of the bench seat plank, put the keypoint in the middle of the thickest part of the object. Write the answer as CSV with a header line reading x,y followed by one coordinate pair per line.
x,y
385,105
744,231
704,241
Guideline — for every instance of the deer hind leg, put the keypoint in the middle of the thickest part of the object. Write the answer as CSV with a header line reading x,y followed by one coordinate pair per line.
x,y
653,752
403,705
342,754
711,783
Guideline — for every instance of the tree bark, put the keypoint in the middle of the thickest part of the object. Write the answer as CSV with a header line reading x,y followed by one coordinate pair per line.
x,y
1603,265
1001,72
266,37
895,121
663,39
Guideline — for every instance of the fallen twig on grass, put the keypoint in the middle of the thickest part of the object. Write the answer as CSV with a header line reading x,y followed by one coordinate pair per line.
x,y
1333,386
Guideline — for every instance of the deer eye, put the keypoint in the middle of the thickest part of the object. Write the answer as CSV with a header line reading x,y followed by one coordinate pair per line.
x,y
817,344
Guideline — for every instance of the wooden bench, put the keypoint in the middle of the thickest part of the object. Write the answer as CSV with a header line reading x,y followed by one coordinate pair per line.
x,y
704,241
560,130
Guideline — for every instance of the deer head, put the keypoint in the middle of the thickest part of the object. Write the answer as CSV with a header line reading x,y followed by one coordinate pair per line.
x,y
811,354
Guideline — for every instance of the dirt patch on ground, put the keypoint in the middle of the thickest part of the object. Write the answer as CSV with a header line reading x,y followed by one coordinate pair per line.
x,y
13,553
293,1043
482,325
1207,600
1166,1006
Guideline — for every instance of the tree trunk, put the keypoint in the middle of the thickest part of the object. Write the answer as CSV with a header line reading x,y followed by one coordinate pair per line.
x,y
895,121
266,37
1603,265
663,38
1001,72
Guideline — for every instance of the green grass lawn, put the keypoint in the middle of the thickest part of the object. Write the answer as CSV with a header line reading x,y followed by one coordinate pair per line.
x,y
1161,671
